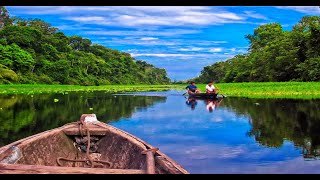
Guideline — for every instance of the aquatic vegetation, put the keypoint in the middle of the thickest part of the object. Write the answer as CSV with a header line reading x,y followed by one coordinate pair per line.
x,y
296,90
64,89
291,90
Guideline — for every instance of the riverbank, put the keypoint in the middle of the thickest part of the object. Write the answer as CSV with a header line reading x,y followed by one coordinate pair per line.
x,y
42,88
292,90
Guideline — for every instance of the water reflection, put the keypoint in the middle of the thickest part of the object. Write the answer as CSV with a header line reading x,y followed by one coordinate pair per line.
x,y
192,102
25,115
240,135
275,120
211,104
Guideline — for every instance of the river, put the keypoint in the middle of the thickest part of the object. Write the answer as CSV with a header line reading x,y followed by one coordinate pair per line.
x,y
230,135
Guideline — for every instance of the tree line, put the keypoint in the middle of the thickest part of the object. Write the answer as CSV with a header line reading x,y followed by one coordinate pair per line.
x,y
274,55
34,52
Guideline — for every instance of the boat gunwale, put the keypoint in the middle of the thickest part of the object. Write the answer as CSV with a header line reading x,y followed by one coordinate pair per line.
x,y
133,139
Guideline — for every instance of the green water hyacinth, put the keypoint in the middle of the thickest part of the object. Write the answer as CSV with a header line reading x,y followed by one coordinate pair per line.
x,y
42,88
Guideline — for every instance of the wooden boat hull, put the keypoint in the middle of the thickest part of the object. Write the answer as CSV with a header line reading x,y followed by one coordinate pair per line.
x,y
53,151
204,95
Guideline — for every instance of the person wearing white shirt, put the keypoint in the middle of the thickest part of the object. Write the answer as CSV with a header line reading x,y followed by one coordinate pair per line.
x,y
210,88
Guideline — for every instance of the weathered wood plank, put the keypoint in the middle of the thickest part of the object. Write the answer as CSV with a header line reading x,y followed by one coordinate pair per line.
x,y
35,169
5,153
97,131
30,139
150,163
167,166
121,147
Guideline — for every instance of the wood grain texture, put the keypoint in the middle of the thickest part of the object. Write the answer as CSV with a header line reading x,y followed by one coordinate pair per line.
x,y
36,169
39,153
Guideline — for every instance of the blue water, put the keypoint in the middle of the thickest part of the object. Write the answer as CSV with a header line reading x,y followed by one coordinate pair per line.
x,y
211,142
239,135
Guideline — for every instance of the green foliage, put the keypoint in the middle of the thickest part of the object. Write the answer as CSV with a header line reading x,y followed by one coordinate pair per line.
x,y
23,36
16,58
4,17
7,76
43,88
39,53
274,56
263,90
309,69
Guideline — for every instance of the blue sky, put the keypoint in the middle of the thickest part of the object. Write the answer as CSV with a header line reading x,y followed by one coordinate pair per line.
x,y
181,39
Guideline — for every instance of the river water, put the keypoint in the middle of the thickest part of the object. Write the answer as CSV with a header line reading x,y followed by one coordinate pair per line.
x,y
230,135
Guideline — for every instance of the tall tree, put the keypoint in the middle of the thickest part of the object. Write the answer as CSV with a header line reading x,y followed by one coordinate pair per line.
x,y
274,55
4,17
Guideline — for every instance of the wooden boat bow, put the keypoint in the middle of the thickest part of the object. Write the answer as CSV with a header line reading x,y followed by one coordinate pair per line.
x,y
56,151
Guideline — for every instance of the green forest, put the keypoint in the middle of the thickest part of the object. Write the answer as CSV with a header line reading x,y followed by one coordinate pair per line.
x,y
34,52
274,55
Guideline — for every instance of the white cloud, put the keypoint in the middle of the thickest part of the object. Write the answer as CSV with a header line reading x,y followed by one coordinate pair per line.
x,y
119,41
57,9
167,9
188,56
163,44
227,15
73,27
252,14
302,9
132,50
133,16
201,151
165,55
87,19
139,15
234,50
238,50
148,38
208,43
191,49
172,32
215,50
160,20
188,52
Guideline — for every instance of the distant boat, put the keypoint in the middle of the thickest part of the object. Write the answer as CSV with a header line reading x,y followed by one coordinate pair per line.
x,y
206,95
87,146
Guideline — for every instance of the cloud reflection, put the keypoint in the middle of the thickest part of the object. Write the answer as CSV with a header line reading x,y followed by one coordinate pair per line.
x,y
211,143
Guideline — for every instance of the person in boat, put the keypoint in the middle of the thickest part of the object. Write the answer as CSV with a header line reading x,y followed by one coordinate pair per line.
x,y
210,88
192,88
